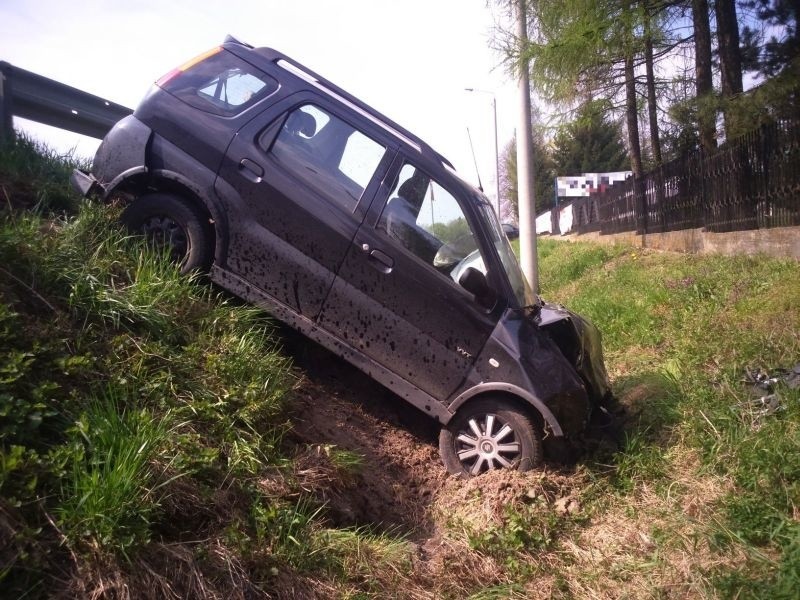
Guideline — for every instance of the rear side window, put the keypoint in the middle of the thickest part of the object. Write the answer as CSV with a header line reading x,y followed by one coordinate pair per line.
x,y
222,84
328,154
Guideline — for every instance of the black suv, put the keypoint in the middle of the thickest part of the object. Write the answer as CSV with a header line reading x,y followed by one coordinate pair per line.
x,y
302,199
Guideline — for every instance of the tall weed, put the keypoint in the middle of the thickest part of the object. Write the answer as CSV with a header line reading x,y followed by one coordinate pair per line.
x,y
111,489
33,177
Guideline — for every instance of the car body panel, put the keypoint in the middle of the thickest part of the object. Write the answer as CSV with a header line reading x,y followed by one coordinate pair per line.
x,y
406,390
122,154
520,354
285,236
328,270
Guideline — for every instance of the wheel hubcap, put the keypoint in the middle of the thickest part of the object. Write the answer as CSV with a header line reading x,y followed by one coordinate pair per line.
x,y
167,233
481,448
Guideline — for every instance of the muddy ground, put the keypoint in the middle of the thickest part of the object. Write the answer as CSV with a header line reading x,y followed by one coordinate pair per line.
x,y
400,473
402,485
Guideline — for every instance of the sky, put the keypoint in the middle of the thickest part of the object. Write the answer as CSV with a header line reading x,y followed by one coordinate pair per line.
x,y
409,59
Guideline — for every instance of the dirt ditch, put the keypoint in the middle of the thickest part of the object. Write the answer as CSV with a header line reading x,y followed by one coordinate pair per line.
x,y
401,485
400,471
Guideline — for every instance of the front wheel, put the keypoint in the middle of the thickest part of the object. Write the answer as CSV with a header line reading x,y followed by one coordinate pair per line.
x,y
174,224
490,434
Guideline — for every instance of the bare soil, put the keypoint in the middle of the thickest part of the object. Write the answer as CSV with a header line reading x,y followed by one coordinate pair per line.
x,y
402,485
400,473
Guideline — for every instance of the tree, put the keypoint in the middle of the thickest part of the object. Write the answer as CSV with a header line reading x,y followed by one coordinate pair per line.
x,y
591,49
631,109
650,82
589,144
655,60
704,82
543,174
771,57
772,52
730,63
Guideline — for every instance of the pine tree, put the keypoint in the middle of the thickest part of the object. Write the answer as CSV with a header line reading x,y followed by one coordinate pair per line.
x,y
589,144
704,82
730,59
770,57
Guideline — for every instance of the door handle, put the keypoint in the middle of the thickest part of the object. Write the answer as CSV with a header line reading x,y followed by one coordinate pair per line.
x,y
382,261
251,170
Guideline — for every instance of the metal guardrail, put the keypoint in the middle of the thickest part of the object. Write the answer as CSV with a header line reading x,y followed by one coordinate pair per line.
x,y
30,96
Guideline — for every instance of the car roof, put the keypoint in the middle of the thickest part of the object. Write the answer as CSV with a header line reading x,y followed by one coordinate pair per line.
x,y
305,74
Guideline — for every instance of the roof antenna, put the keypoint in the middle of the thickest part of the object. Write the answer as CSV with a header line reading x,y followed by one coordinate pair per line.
x,y
472,148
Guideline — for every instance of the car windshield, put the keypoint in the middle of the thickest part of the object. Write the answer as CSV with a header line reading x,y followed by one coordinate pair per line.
x,y
522,290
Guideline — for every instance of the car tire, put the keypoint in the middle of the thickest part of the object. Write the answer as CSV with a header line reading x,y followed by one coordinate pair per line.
x,y
172,222
490,434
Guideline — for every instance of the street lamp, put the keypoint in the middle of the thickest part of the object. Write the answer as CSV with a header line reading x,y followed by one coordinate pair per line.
x,y
496,154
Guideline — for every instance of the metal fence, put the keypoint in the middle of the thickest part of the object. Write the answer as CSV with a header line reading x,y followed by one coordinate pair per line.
x,y
751,182
31,96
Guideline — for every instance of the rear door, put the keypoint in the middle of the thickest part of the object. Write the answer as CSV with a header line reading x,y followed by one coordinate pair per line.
x,y
395,298
295,184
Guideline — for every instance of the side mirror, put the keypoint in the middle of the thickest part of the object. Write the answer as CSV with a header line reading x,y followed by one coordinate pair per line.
x,y
475,283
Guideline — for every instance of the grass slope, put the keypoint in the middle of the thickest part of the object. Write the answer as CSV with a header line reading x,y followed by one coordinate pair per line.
x,y
141,422
703,499
143,451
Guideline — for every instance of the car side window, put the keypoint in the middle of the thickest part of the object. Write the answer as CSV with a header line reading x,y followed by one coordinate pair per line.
x,y
425,218
327,153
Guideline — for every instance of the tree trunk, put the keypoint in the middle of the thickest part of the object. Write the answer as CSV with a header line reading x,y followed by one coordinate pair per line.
x,y
730,61
631,112
652,107
632,123
632,117
704,83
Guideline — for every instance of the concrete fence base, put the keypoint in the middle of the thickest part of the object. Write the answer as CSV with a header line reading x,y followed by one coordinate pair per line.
x,y
780,242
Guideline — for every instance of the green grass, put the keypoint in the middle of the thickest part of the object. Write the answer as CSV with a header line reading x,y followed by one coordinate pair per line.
x,y
37,175
128,393
110,493
141,411
678,332
143,432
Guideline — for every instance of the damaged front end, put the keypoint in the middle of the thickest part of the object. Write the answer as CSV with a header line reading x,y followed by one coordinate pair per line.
x,y
580,343
548,357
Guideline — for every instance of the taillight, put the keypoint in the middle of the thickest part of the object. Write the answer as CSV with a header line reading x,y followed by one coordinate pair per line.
x,y
186,66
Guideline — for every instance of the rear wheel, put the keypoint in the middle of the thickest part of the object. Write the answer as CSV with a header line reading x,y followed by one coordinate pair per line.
x,y
175,224
490,434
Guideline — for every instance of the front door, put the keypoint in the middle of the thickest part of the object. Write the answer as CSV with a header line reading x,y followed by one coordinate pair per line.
x,y
396,299
295,185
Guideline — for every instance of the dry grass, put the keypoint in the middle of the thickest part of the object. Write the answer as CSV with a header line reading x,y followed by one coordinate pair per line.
x,y
654,544
651,543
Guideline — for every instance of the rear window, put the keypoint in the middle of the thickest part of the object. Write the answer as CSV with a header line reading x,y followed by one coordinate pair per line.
x,y
221,84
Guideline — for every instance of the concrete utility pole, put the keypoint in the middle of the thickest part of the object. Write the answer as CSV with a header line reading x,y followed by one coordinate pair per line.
x,y
527,204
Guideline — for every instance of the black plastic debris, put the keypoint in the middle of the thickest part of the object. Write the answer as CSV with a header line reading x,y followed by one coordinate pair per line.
x,y
764,390
761,380
792,378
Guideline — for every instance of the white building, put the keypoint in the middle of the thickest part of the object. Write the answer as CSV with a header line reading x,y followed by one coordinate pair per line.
x,y
574,186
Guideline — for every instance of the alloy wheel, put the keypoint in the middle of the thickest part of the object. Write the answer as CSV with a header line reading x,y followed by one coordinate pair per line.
x,y
487,443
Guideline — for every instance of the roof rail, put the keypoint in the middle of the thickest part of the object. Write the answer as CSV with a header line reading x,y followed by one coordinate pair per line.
x,y
276,57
